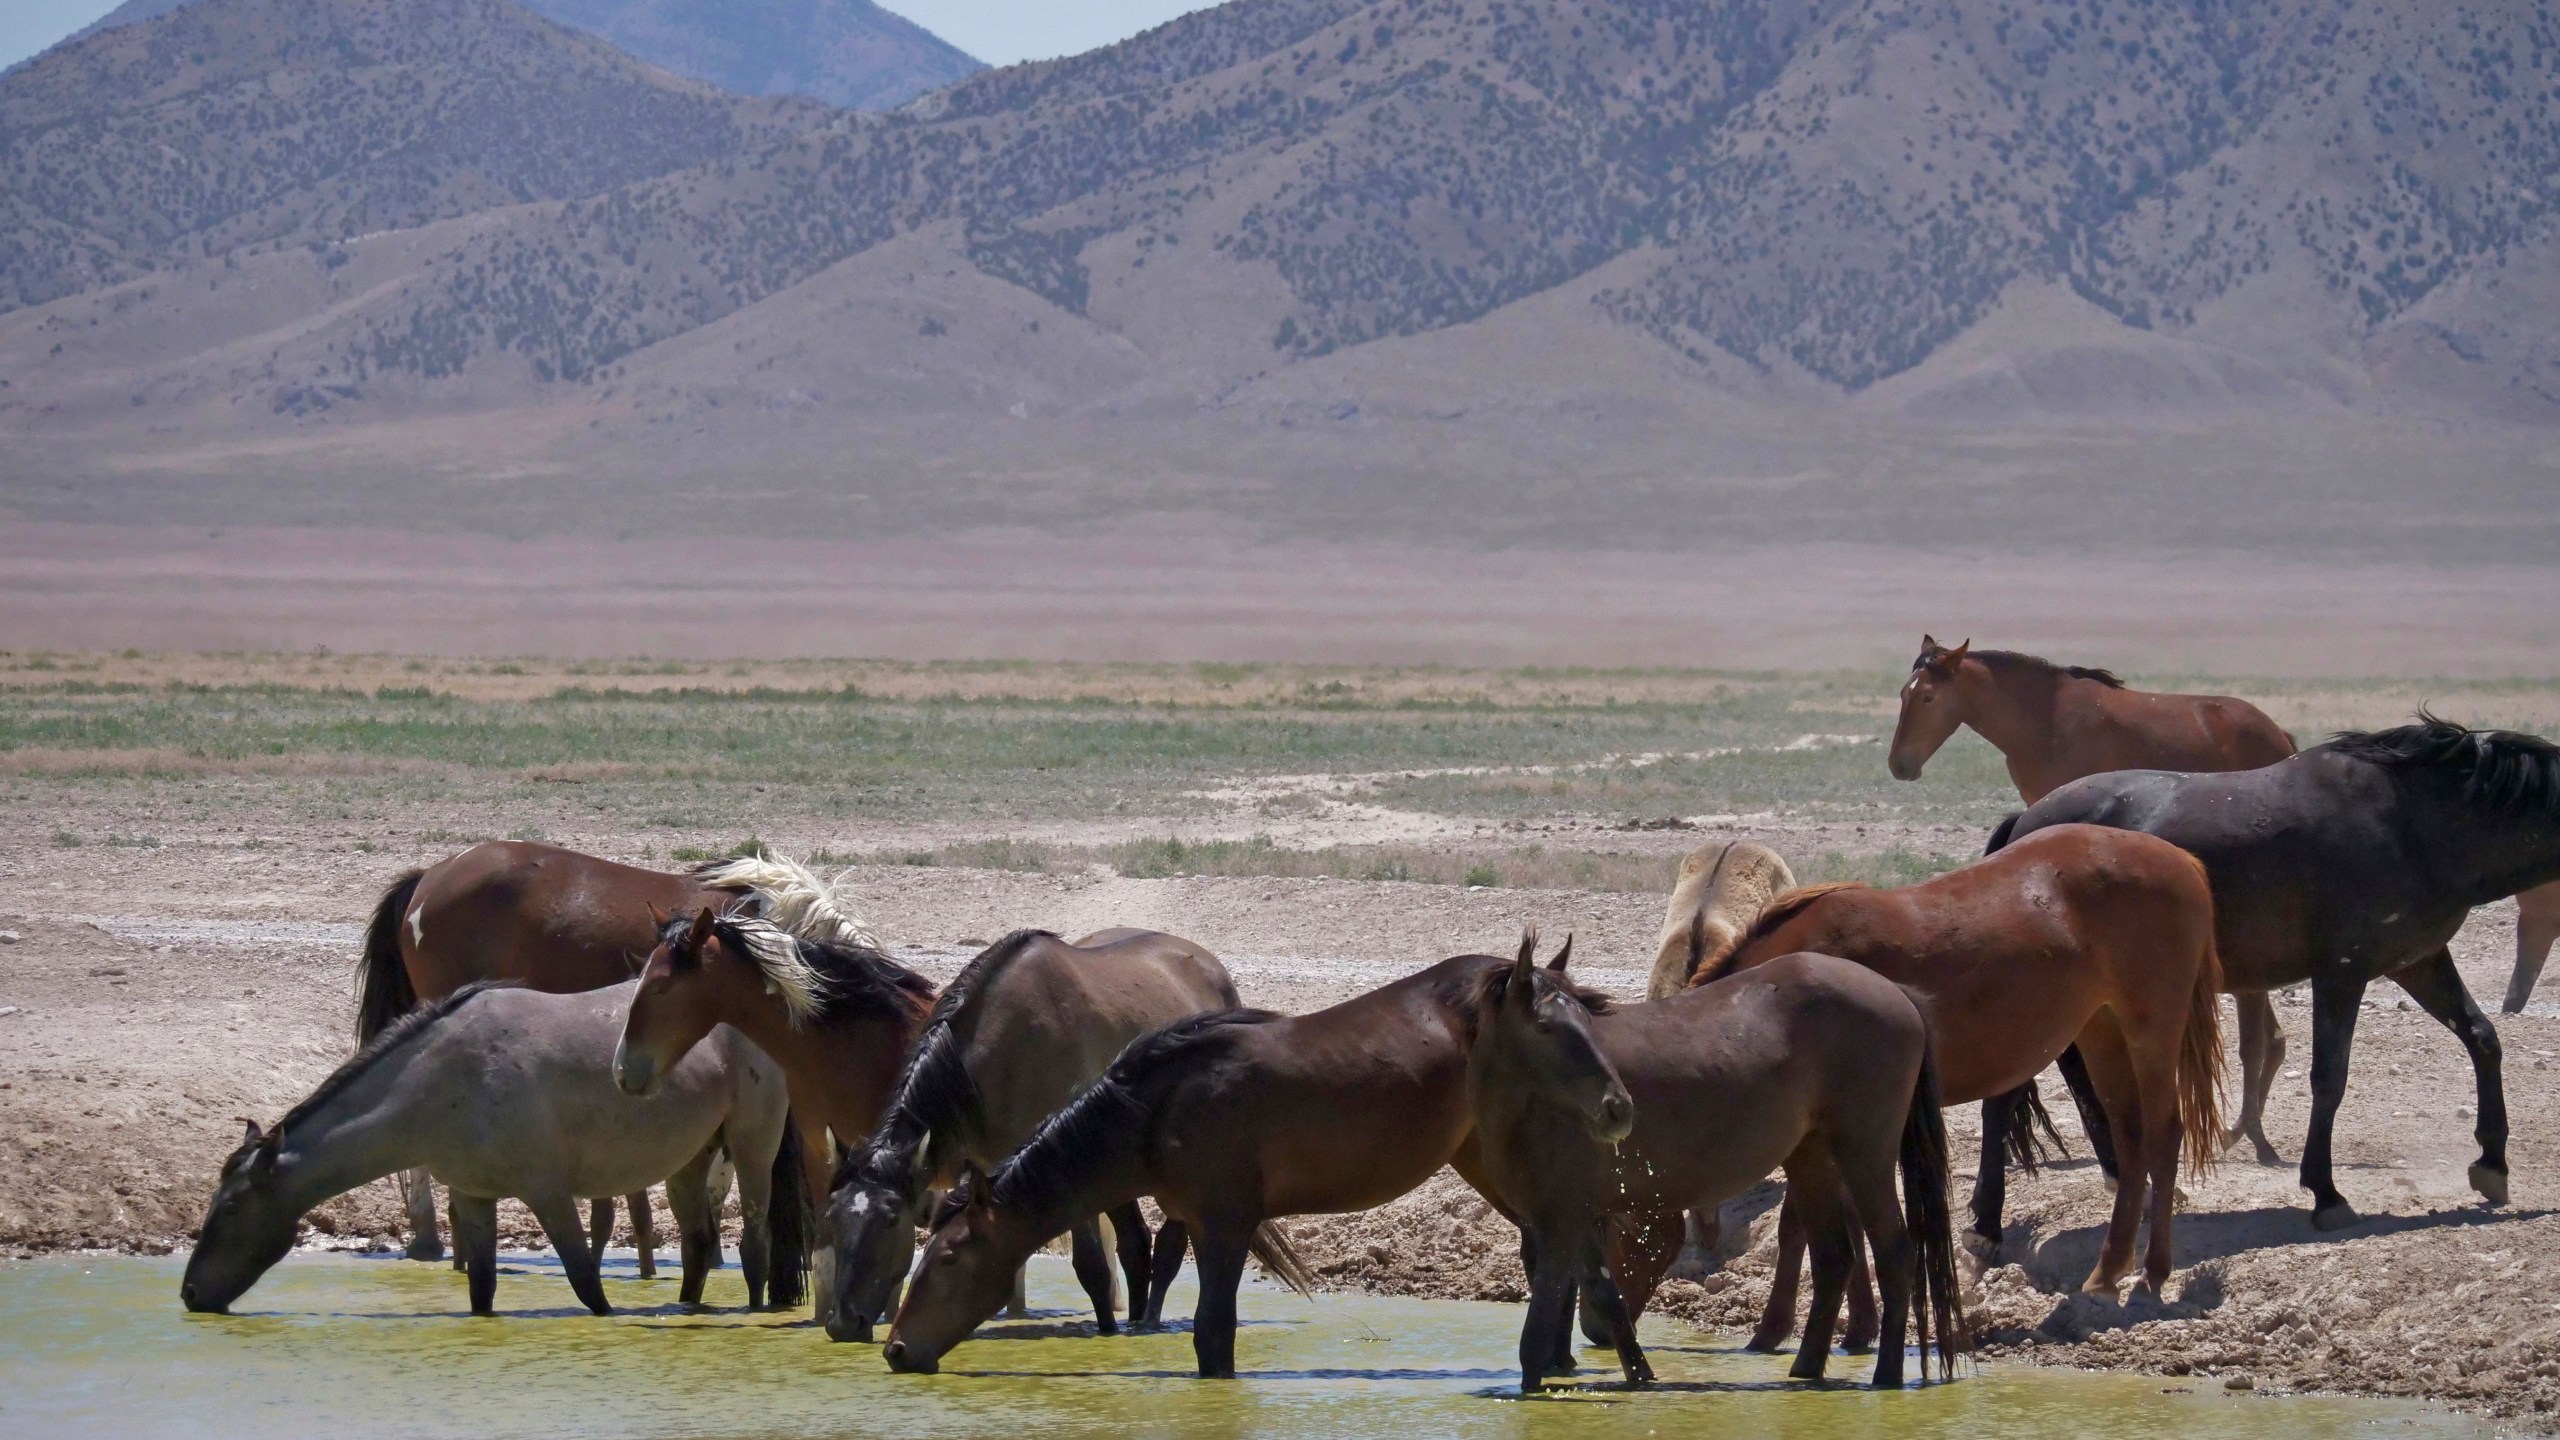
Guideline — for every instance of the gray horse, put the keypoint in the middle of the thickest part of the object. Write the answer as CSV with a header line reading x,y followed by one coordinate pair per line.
x,y
500,1091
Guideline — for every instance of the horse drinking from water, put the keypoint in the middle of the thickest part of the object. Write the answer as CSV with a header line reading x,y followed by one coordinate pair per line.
x,y
838,1017
503,1091
1587,1115
2352,861
1027,1024
2096,938
557,920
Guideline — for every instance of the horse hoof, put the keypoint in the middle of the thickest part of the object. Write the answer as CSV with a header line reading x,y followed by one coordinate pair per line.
x,y
2336,1215
1982,1249
1805,1370
1857,1347
2099,1289
1764,1342
2492,1184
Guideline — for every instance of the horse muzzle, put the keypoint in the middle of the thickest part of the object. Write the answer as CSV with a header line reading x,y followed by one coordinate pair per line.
x,y
907,1362
1615,1119
852,1329
634,1072
1902,769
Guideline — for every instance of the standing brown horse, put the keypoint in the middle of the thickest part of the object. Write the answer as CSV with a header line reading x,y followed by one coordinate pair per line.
x,y
2092,939
837,1018
1588,1116
559,921
2054,724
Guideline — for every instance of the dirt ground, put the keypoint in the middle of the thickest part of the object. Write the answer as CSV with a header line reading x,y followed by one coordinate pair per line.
x,y
151,996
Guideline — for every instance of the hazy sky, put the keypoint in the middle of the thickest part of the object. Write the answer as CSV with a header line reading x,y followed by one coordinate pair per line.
x,y
996,31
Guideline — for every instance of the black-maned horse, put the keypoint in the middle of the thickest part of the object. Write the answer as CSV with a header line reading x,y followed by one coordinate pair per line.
x,y
2352,861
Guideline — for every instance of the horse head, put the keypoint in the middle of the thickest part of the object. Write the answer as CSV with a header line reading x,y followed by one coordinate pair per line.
x,y
1931,707
1534,1046
249,1227
676,1003
964,1276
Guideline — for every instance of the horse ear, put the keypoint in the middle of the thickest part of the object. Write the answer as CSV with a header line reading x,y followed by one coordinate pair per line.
x,y
251,1135
1955,657
1526,965
980,1190
1928,644
701,930
1557,964
657,919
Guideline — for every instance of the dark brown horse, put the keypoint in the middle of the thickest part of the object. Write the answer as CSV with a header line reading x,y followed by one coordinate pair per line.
x,y
2091,939
2054,724
1228,1120
1588,1116
557,920
838,1018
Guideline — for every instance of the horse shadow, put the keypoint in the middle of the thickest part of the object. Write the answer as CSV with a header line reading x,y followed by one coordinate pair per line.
x,y
2059,1262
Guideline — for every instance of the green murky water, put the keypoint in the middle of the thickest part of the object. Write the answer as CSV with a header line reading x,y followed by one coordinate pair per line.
x,y
335,1346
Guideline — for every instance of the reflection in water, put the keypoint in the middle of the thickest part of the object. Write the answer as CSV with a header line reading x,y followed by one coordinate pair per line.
x,y
331,1345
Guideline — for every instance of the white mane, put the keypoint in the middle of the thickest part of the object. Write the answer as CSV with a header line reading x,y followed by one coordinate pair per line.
x,y
789,895
787,973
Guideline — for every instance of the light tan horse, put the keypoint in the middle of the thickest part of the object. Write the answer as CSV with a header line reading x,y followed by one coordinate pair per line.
x,y
2537,926
1721,888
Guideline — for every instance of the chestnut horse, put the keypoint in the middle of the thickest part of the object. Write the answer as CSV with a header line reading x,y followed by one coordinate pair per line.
x,y
557,920
838,1018
2092,937
1587,1115
2056,723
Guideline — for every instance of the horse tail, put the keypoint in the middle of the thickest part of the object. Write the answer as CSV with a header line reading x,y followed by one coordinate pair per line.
x,y
383,991
2200,1069
2030,1134
1280,1259
1927,1216
789,1222
2003,832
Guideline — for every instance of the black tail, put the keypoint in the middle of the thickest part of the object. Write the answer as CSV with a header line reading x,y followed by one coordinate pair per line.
x,y
383,991
2001,833
2028,1148
1925,1214
789,1223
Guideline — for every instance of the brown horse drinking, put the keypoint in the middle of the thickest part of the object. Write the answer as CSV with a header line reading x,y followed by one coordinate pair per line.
x,y
2094,939
1587,1115
837,1018
2054,724
557,920
1228,1120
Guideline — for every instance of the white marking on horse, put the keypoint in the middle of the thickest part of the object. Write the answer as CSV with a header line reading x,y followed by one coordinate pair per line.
x,y
418,925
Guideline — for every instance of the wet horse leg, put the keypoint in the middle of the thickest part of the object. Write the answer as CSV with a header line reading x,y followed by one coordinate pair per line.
x,y
1618,1324
1815,1188
2261,1054
1545,1339
644,1232
1165,1266
1559,1357
2437,986
418,1197
1093,1271
2335,1002
697,1226
1129,1238
475,1246
1222,1251
600,1223
1859,1335
560,1220
1778,1317
1868,1175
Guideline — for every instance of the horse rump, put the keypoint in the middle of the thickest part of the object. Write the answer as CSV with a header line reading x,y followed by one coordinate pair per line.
x,y
790,1221
383,990
1928,1218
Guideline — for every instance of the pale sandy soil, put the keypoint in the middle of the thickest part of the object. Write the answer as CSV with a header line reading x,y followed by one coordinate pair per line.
x,y
155,994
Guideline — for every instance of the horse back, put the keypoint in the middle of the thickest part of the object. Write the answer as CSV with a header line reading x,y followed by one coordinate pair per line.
x,y
549,918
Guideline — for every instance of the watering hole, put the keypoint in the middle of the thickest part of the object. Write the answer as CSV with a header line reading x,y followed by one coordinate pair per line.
x,y
330,1345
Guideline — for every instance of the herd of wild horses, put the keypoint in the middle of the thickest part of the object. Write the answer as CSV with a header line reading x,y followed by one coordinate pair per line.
x,y
2174,848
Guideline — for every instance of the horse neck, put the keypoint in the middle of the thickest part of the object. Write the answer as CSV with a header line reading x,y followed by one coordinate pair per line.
x,y
2482,854
358,1136
2014,711
841,1071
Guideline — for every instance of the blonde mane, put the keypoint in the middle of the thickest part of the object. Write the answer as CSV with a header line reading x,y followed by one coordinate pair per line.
x,y
790,895
1720,890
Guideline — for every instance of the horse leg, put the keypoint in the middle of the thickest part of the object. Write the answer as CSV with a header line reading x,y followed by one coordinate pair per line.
x,y
755,1215
1991,1179
418,1197
697,1226
1165,1267
2335,1002
2163,1130
1815,1186
560,1221
1619,1325
2261,1053
1545,1331
600,1223
644,1232
2093,1111
1640,1254
1860,1335
1129,1238
1778,1317
2111,1070
1877,1203
1559,1356
2437,986
2537,926
1093,1271
475,1246
1222,1253
1018,1304
448,1216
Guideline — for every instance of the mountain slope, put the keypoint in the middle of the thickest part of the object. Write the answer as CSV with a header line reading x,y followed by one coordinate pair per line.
x,y
234,123
844,52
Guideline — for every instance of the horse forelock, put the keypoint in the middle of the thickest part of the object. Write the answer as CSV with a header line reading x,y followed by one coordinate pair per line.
x,y
791,895
2502,769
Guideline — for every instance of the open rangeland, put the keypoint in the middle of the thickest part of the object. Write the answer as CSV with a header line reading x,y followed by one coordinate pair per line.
x,y
194,842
